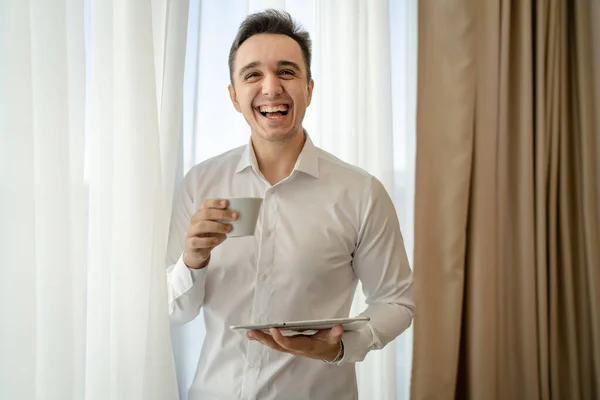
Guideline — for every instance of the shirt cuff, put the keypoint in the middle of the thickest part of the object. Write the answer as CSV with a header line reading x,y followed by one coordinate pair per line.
x,y
183,278
356,345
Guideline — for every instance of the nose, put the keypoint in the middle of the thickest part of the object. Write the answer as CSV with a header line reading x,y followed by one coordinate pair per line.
x,y
272,86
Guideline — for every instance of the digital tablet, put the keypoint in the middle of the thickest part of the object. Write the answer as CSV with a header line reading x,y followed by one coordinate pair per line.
x,y
305,327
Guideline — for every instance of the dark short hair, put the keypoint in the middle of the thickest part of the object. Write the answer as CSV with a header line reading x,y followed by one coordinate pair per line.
x,y
271,21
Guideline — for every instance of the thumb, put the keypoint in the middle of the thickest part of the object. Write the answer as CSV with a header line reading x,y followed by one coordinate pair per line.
x,y
335,334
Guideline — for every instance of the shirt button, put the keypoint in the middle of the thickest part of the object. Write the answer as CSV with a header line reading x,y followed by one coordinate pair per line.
x,y
252,366
263,277
269,232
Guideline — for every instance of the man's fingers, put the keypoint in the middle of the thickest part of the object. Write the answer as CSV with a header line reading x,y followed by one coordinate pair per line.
x,y
307,344
214,203
280,339
335,334
197,243
214,214
332,335
214,210
266,340
296,344
207,230
318,346
202,227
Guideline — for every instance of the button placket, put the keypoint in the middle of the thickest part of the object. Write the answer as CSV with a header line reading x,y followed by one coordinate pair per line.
x,y
250,380
254,349
265,266
261,302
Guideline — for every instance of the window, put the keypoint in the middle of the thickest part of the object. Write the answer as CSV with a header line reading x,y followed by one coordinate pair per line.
x,y
212,126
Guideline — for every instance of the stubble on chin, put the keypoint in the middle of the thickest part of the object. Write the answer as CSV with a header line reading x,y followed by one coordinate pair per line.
x,y
282,139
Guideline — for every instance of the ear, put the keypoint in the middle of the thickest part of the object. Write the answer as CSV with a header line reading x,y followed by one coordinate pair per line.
x,y
233,97
311,86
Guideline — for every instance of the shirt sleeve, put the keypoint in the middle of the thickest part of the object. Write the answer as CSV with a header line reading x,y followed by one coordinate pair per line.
x,y
381,265
185,286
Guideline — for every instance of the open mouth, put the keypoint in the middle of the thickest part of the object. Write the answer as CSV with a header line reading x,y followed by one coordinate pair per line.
x,y
274,112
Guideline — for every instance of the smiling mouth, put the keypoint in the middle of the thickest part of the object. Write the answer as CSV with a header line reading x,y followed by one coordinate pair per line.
x,y
274,112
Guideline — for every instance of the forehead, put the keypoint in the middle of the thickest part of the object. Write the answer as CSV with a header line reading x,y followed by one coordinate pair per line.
x,y
268,49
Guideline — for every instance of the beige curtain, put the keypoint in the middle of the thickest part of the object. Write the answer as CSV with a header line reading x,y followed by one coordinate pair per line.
x,y
595,17
507,257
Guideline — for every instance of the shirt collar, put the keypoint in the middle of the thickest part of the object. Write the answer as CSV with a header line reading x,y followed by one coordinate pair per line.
x,y
308,160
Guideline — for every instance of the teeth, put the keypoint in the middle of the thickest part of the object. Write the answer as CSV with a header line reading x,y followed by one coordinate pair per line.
x,y
281,107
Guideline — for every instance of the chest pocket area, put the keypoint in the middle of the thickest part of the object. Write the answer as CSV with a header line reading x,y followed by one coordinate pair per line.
x,y
235,258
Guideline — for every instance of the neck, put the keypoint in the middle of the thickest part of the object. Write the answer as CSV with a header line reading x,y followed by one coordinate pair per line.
x,y
276,160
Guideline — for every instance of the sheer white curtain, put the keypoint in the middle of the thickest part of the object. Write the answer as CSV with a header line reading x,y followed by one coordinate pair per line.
x,y
41,181
363,111
88,148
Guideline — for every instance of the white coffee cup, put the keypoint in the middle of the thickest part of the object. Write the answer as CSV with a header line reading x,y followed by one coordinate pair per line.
x,y
248,209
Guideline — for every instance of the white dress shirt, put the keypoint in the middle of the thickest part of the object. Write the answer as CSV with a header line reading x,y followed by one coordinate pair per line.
x,y
326,226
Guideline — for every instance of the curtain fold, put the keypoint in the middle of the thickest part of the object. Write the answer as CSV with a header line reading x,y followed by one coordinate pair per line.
x,y
41,163
506,229
88,158
586,201
595,23
445,113
135,128
346,32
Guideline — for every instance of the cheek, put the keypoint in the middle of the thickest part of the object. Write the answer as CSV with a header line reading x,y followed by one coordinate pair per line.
x,y
245,98
301,103
300,98
247,108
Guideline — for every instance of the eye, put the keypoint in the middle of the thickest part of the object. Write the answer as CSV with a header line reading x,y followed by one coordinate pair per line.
x,y
252,75
287,72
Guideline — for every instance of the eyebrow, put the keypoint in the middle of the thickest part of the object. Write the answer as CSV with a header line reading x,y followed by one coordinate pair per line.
x,y
285,63
248,66
282,63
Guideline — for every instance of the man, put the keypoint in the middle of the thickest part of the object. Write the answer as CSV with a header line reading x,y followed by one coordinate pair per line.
x,y
324,225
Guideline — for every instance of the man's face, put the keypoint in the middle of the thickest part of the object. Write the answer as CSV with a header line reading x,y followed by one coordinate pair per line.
x,y
270,86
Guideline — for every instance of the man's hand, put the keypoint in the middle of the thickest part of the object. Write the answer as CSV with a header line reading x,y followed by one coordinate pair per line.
x,y
323,345
205,233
